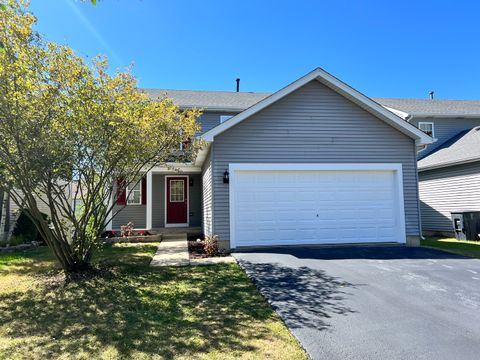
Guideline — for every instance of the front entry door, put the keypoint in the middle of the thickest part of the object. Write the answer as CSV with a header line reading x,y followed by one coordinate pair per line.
x,y
177,201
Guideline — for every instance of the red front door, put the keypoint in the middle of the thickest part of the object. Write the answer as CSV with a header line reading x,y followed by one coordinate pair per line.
x,y
177,200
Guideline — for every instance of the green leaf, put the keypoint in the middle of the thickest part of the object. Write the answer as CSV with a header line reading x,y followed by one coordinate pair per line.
x,y
94,2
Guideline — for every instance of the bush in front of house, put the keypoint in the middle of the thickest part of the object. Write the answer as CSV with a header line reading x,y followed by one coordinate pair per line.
x,y
25,230
211,245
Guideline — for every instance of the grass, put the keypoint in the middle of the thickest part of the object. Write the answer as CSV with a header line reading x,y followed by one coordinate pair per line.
x,y
134,311
465,248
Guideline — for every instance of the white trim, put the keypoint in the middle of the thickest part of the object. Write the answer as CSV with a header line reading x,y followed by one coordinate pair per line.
x,y
188,201
174,168
224,118
445,116
397,112
447,164
336,85
109,222
428,123
319,166
129,191
395,167
149,180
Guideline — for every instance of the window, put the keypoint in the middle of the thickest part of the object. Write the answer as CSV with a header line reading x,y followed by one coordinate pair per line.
x,y
426,127
224,118
134,193
176,190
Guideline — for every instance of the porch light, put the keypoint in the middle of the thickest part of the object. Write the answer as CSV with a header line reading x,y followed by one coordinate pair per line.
x,y
226,177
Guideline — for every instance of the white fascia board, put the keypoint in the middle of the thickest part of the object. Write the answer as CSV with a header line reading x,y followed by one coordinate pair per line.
x,y
397,112
173,168
336,85
444,116
202,155
448,164
317,167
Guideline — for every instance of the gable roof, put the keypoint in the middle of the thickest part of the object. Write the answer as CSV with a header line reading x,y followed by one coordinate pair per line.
x,y
433,107
336,85
462,148
209,100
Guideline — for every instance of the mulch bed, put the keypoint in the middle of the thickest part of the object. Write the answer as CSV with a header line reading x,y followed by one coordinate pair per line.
x,y
197,251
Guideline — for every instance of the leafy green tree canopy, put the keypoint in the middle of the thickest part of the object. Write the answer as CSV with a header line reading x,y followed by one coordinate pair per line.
x,y
69,130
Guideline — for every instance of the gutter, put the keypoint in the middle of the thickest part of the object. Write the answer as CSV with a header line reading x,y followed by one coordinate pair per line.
x,y
444,116
448,164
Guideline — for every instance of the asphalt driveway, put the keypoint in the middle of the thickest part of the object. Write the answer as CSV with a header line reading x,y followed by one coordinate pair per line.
x,y
373,302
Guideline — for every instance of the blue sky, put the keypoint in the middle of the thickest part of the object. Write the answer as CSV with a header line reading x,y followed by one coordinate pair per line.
x,y
382,48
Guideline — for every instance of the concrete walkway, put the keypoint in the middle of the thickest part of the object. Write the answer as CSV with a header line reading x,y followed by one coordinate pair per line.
x,y
173,251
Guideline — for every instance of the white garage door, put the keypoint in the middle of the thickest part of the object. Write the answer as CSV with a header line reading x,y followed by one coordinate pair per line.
x,y
274,204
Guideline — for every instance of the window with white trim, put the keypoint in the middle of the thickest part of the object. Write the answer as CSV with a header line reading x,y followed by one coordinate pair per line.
x,y
134,193
177,191
427,128
224,118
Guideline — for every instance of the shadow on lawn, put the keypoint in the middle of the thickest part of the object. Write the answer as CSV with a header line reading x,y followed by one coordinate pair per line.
x,y
303,297
170,312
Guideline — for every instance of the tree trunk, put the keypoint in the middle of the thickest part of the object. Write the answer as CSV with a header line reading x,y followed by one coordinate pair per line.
x,y
71,261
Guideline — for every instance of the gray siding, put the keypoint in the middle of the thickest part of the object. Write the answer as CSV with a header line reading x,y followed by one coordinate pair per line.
x,y
207,195
445,190
313,125
209,120
195,200
445,129
137,214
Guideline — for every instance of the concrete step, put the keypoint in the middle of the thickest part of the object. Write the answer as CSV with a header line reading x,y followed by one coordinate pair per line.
x,y
174,237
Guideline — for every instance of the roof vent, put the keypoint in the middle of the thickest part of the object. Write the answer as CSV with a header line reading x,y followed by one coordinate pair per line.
x,y
238,84
431,94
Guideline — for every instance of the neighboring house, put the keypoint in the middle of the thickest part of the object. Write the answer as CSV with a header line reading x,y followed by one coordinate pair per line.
x,y
449,169
450,181
10,211
315,163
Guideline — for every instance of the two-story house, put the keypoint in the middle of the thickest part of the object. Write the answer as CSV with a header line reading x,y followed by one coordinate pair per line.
x,y
316,162
449,169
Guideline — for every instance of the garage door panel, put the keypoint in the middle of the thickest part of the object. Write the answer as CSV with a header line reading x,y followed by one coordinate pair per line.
x,y
293,207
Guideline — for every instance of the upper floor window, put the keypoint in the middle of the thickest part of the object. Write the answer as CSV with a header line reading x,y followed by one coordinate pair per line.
x,y
224,118
134,193
427,128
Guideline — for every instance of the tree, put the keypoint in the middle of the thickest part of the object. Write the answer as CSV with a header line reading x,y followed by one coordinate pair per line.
x,y
65,122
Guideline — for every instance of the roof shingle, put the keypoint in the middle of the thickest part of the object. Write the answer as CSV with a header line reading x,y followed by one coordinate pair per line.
x,y
464,147
211,100
239,101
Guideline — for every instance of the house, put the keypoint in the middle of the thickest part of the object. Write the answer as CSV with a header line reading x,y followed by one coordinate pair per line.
x,y
450,181
316,162
449,169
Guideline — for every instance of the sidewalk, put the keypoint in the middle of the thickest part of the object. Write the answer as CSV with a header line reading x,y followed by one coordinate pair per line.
x,y
173,251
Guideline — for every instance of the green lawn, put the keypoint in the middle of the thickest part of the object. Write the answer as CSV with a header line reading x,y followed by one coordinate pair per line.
x,y
466,248
134,311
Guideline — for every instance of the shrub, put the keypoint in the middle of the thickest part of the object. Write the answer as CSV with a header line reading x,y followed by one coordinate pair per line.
x,y
127,230
25,230
211,245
